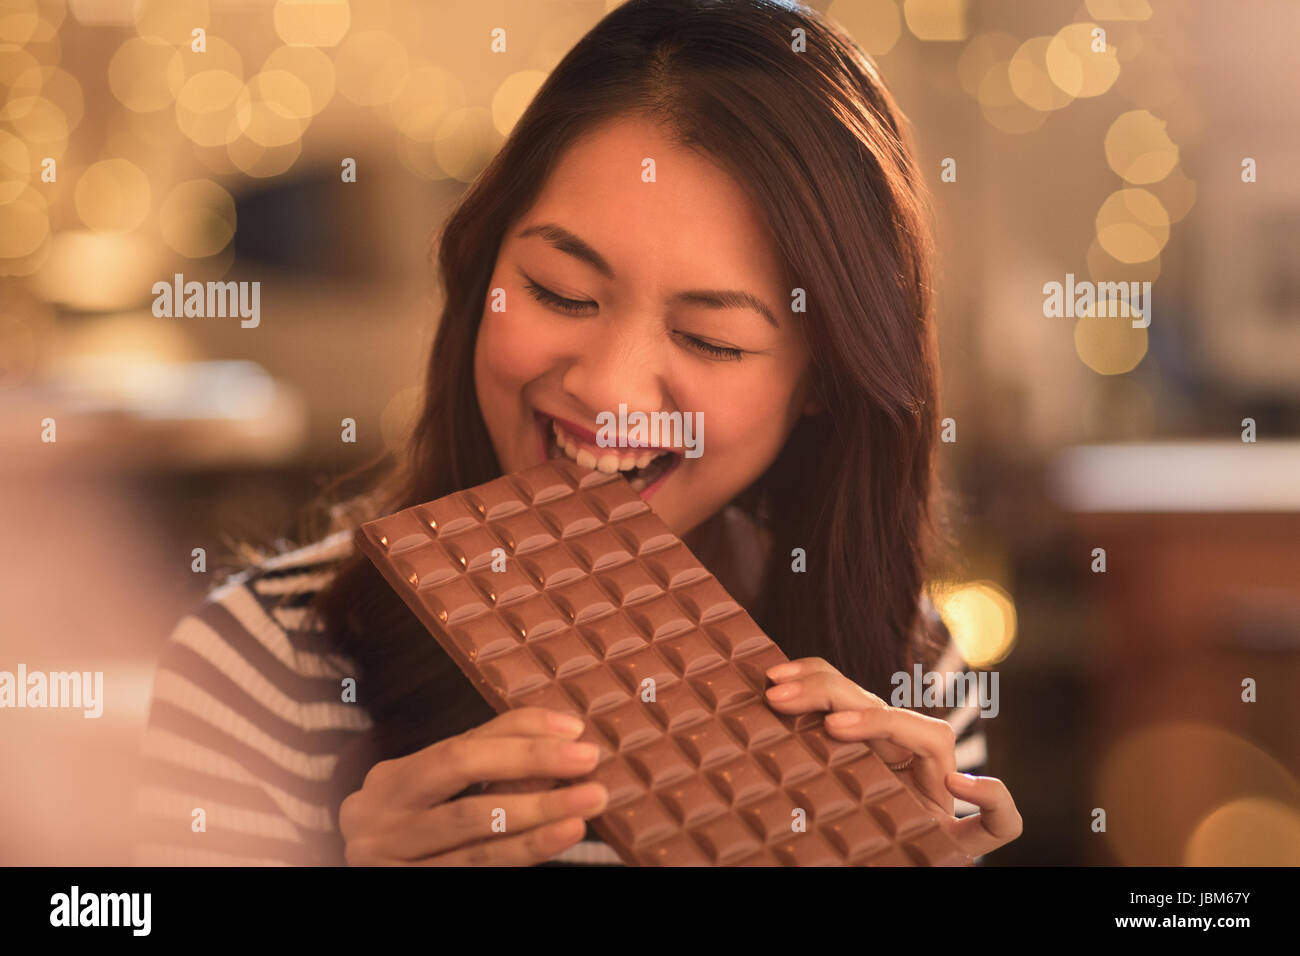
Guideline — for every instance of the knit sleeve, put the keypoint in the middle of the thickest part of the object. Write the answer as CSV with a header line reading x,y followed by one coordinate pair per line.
x,y
246,723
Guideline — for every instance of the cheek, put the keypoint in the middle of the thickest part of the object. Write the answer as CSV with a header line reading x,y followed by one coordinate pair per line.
x,y
508,353
746,422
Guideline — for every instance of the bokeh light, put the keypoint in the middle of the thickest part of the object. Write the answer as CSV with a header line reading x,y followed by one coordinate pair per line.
x,y
197,218
465,142
312,67
280,108
171,21
371,68
1109,344
1162,784
262,162
1076,67
981,617
312,22
1027,74
113,195
1246,832
97,271
512,98
874,24
1001,106
145,75
212,107
1132,225
15,166
1139,149
979,55
936,19
24,224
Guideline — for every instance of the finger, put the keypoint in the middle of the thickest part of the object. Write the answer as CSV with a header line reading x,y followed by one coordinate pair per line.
x,y
997,823
529,722
446,768
932,740
802,666
819,690
530,785
521,849
457,823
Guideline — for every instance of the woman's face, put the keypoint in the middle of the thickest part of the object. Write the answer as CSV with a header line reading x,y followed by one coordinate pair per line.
x,y
617,291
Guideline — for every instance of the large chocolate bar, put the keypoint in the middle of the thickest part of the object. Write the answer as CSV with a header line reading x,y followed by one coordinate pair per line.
x,y
558,587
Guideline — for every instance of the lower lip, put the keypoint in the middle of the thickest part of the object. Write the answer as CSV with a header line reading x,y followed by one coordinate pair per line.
x,y
543,439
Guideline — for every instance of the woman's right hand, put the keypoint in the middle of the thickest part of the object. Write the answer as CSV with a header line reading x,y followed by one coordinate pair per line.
x,y
403,814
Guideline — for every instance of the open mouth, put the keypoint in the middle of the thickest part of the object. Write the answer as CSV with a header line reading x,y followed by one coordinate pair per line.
x,y
644,468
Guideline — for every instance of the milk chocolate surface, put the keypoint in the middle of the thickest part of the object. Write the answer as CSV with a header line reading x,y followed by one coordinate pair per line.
x,y
600,611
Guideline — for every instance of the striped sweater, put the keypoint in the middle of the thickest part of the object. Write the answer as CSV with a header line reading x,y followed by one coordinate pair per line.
x,y
246,722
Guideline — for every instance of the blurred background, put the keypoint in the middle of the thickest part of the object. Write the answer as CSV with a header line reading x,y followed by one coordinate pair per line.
x,y
1162,149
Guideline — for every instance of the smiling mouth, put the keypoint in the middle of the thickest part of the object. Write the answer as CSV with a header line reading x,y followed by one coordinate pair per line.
x,y
642,467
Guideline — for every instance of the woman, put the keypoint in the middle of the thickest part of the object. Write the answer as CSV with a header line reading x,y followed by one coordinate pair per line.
x,y
709,208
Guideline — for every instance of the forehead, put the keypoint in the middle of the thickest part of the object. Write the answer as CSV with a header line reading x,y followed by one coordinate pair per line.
x,y
693,222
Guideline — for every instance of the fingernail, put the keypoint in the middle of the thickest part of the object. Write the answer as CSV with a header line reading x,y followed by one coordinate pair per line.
x,y
581,753
566,724
783,692
962,779
782,671
843,718
587,797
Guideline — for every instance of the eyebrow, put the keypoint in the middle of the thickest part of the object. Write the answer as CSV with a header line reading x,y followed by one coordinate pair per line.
x,y
568,243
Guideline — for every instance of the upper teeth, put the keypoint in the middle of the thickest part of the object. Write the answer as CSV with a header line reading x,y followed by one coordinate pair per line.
x,y
602,459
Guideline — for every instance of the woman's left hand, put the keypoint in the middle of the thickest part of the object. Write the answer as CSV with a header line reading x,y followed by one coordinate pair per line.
x,y
895,734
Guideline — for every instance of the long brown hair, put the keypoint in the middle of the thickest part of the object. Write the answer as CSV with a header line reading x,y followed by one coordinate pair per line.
x,y
799,117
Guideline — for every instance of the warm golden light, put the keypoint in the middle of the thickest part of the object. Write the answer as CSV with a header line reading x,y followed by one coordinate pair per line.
x,y
97,271
512,98
937,20
24,224
113,195
430,93
197,218
1109,344
213,107
312,22
40,121
1176,193
874,24
371,68
1001,106
1161,785
312,67
1077,63
260,161
15,166
979,55
981,617
170,20
279,110
1027,74
465,142
1246,832
1103,267
1132,225
144,75
1139,149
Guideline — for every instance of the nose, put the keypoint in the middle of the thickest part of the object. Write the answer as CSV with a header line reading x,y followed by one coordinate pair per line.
x,y
620,362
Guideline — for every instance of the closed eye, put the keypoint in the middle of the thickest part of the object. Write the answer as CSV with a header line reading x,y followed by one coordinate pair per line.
x,y
547,297
708,348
